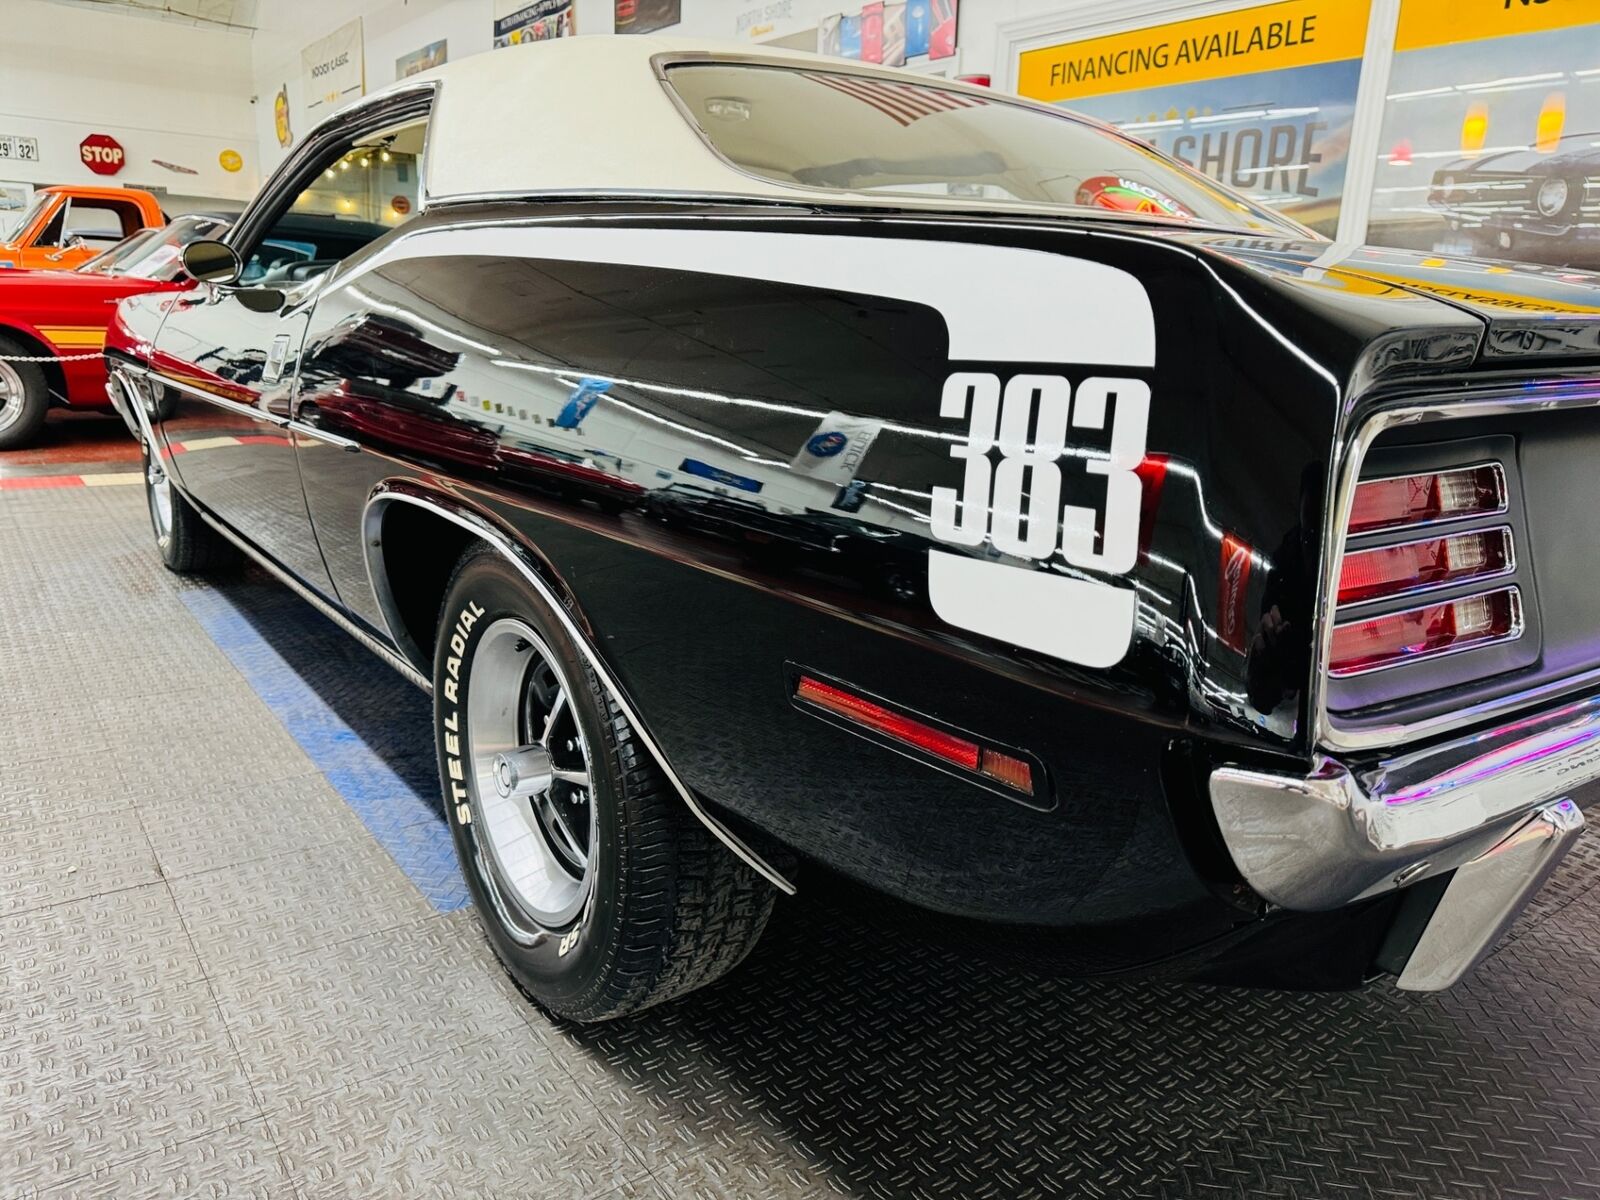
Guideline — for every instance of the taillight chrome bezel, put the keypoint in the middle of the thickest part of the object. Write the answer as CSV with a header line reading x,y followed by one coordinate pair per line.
x,y
1350,452
1423,589
1513,595
1501,508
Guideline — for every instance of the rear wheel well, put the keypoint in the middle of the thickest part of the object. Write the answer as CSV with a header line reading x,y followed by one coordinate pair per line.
x,y
425,550
54,377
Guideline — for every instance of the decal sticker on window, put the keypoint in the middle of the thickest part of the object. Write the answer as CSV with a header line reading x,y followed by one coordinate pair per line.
x,y
1129,195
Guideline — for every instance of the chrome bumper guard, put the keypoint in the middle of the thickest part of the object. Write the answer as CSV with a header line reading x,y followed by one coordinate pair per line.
x,y
1501,808
117,392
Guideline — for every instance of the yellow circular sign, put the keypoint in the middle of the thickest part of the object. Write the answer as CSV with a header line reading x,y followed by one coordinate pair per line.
x,y
231,160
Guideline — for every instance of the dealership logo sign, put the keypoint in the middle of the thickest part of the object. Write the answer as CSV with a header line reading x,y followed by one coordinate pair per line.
x,y
102,154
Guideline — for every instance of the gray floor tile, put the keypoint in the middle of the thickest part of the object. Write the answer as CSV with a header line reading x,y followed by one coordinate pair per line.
x,y
257,916
239,1163
95,951
497,1117
205,829
99,1082
70,851
356,1010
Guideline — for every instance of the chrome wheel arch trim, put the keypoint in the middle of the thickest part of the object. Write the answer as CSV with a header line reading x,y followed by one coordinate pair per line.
x,y
403,492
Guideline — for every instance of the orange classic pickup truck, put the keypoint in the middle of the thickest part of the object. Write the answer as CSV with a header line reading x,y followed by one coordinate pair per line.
x,y
68,225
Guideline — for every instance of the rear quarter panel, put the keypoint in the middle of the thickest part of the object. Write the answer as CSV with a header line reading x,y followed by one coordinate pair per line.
x,y
638,409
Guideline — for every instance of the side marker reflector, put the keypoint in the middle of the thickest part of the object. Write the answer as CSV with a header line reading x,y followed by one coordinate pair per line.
x,y
885,721
996,765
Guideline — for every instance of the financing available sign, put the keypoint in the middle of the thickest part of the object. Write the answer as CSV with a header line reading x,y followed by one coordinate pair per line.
x,y
333,68
1261,99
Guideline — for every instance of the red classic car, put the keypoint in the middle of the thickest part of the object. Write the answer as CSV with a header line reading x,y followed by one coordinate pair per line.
x,y
65,313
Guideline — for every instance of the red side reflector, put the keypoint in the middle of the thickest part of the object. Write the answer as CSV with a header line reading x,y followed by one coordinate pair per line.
x,y
1439,496
1007,769
1391,570
1450,625
885,721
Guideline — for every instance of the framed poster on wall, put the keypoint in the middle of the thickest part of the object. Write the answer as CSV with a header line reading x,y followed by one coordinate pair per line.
x,y
646,16
1490,143
518,21
1261,98
891,31
333,69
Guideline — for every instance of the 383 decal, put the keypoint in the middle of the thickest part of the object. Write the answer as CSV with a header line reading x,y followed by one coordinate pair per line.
x,y
1016,505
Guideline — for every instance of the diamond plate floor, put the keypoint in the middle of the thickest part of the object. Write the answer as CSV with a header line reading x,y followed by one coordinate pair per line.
x,y
222,979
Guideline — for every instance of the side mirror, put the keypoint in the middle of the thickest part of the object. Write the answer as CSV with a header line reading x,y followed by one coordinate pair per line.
x,y
212,262
72,243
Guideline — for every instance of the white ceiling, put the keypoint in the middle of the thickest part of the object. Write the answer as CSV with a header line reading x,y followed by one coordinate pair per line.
x,y
207,14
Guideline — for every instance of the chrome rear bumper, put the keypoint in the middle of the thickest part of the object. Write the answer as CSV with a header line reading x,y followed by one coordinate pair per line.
x,y
1501,808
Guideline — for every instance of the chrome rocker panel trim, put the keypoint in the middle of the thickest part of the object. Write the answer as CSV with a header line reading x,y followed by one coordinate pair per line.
x,y
371,524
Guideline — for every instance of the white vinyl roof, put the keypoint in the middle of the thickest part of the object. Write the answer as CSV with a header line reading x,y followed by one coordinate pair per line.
x,y
590,115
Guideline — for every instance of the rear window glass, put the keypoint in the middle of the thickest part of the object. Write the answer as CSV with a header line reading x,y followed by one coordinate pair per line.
x,y
857,133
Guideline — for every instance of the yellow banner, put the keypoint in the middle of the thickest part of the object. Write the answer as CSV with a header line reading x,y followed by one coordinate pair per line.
x,y
1426,23
1271,37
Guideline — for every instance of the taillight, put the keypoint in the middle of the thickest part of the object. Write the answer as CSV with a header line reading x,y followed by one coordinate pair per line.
x,y
1373,643
1369,575
1422,499
1430,562
992,764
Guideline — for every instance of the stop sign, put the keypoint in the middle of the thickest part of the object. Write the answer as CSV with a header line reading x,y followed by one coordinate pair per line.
x,y
102,153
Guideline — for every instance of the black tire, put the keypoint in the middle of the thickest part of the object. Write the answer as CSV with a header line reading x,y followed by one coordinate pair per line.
x,y
187,545
668,908
21,416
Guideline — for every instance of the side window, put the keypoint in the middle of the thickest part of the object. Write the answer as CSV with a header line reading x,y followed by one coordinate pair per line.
x,y
100,222
371,188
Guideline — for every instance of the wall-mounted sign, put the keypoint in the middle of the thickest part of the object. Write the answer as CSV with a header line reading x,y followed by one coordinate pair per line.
x,y
280,117
18,149
175,168
1488,139
891,32
230,161
434,54
647,16
102,154
518,21
1261,99
401,204
333,68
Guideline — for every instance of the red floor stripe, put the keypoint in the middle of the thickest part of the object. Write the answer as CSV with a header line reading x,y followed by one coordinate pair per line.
x,y
30,482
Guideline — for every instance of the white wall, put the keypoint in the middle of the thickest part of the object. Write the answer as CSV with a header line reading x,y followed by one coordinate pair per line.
x,y
163,90
390,28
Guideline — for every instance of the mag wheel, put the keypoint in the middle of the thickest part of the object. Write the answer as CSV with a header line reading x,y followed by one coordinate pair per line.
x,y
599,891
187,544
24,398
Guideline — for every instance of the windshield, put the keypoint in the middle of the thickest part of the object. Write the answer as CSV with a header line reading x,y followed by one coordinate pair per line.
x,y
858,133
13,223
106,264
153,253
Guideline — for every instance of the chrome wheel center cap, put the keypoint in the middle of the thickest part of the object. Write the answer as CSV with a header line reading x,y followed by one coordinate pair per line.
x,y
524,772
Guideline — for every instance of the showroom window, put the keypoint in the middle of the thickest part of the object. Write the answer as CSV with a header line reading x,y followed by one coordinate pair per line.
x,y
1261,99
821,129
356,198
1490,144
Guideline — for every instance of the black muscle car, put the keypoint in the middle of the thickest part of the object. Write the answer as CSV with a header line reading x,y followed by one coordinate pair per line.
x,y
786,465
